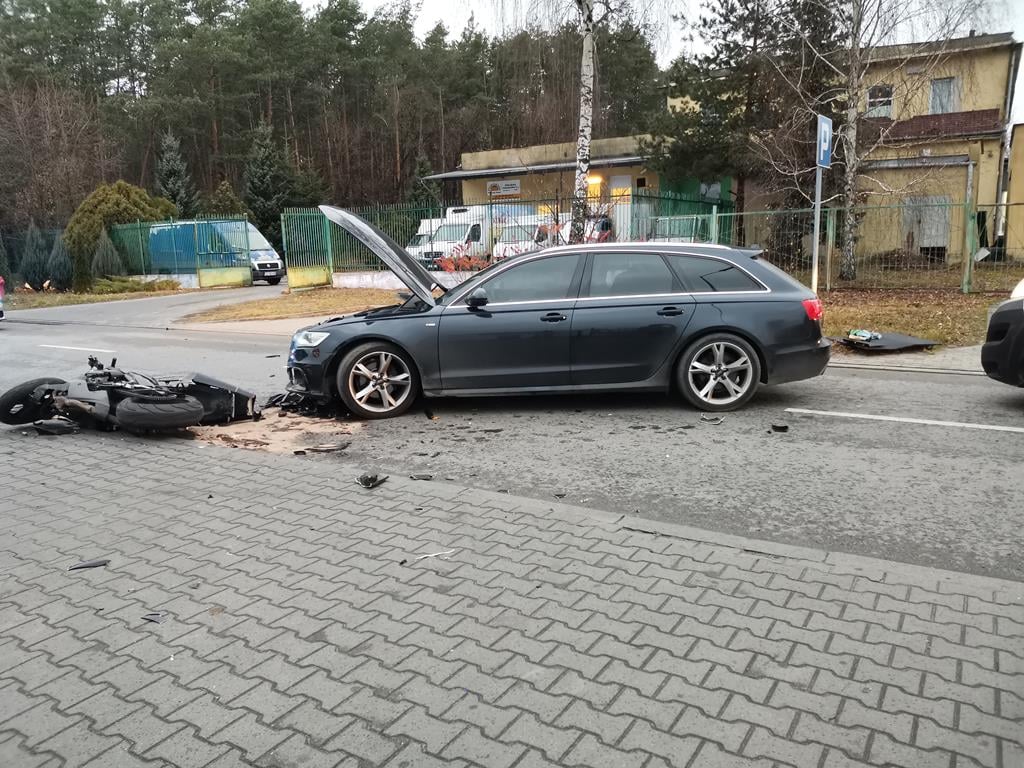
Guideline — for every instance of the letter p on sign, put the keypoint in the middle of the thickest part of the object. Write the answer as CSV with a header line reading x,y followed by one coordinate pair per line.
x,y
824,142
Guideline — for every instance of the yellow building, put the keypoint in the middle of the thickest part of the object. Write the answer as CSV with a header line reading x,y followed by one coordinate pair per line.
x,y
935,118
547,172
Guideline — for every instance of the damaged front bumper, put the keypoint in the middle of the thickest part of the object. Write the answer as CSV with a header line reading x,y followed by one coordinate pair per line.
x,y
306,374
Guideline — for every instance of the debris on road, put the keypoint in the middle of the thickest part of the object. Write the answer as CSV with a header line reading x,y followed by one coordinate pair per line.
x,y
88,564
283,435
712,420
421,476
780,428
439,555
303,404
156,617
328,447
368,480
872,341
299,452
59,425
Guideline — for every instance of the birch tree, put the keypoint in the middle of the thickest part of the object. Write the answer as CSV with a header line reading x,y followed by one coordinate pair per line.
x,y
588,16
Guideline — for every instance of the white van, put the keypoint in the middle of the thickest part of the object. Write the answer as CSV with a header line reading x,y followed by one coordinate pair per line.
x,y
423,240
467,231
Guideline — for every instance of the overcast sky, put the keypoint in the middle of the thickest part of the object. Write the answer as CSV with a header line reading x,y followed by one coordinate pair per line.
x,y
501,15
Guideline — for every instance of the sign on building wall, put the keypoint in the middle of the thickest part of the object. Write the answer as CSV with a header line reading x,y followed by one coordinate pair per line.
x,y
504,188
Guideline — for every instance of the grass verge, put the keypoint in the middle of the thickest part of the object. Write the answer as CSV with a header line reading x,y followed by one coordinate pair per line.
x,y
26,300
313,303
946,316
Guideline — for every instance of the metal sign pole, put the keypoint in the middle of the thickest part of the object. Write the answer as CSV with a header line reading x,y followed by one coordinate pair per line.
x,y
817,229
823,159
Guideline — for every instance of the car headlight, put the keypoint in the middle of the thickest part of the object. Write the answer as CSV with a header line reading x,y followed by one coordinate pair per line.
x,y
309,338
1018,292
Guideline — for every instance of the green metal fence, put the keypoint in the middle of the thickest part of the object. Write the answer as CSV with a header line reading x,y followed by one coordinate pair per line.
x,y
443,234
182,247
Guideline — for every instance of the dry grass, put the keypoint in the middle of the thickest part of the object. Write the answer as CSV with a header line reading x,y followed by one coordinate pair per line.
x,y
28,300
946,316
314,303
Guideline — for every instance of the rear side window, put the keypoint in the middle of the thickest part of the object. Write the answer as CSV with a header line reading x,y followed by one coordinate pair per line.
x,y
711,275
630,274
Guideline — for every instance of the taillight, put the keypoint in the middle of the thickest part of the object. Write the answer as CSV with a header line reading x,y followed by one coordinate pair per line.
x,y
814,309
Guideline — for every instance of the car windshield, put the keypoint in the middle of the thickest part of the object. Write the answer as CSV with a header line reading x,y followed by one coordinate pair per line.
x,y
257,242
518,233
449,232
417,239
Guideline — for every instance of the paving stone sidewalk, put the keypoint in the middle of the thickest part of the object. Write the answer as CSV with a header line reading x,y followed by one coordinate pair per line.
x,y
312,623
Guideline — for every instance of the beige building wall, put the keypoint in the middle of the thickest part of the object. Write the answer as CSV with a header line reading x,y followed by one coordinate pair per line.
x,y
559,184
981,79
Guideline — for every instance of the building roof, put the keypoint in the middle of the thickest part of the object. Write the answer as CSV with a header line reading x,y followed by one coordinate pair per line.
x,y
520,170
971,42
974,123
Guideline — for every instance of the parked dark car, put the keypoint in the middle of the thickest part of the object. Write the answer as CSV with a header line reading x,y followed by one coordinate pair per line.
x,y
712,321
1002,355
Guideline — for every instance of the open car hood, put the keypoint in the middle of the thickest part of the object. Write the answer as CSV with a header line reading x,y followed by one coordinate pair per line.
x,y
398,260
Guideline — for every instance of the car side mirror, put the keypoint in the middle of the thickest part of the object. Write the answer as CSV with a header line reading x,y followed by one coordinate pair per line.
x,y
477,298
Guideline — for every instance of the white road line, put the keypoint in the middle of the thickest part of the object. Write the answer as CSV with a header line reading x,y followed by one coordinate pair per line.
x,y
907,420
80,349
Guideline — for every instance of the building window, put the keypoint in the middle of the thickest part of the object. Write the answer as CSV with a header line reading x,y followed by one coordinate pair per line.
x,y
943,96
879,101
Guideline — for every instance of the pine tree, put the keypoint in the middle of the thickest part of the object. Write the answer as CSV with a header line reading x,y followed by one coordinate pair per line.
x,y
106,262
224,202
173,180
424,194
59,267
268,184
33,258
5,266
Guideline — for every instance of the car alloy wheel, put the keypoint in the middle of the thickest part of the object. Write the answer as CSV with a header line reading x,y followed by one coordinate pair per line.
x,y
720,373
380,382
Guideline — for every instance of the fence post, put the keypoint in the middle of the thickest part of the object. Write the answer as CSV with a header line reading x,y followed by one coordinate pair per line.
x,y
714,223
830,237
284,240
965,283
138,234
330,247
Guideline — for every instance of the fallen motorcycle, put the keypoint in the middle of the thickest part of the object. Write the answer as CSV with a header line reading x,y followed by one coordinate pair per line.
x,y
106,397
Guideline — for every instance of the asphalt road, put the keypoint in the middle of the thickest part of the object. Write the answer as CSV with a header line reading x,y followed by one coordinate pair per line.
x,y
947,496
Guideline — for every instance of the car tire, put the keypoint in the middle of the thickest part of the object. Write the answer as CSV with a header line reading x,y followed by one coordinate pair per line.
x,y
273,280
136,415
719,372
362,390
17,405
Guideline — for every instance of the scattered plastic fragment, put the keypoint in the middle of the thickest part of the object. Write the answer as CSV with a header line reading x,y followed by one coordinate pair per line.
x,y
299,452
371,481
712,420
56,426
328,447
156,617
88,564
440,555
421,476
780,428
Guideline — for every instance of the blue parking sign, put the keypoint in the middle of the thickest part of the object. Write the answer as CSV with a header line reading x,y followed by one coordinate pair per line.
x,y
824,151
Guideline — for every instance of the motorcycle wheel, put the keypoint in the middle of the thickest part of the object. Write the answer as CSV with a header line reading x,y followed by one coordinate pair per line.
x,y
137,415
18,406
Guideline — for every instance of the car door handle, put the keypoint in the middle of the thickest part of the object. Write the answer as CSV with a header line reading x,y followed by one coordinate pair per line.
x,y
670,311
552,317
